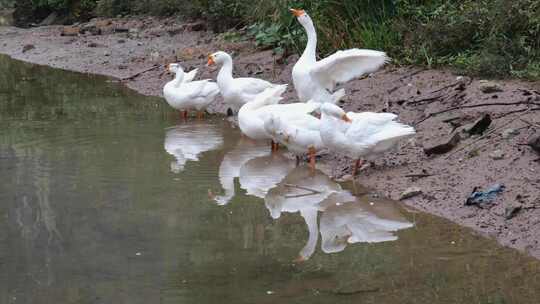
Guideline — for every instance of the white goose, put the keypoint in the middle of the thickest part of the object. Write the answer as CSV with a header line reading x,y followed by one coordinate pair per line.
x,y
314,80
300,135
252,115
184,94
235,91
364,135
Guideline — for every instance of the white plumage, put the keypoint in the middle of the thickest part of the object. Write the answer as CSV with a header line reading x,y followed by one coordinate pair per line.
x,y
187,141
182,93
315,80
236,91
252,115
361,135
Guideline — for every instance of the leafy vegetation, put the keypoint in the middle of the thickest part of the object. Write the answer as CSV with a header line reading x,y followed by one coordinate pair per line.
x,y
496,38
7,3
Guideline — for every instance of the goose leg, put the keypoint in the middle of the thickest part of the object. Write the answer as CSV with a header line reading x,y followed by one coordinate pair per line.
x,y
275,146
312,158
357,165
297,160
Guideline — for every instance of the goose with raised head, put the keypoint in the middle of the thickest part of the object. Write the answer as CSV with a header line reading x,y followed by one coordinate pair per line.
x,y
361,136
315,80
184,94
235,91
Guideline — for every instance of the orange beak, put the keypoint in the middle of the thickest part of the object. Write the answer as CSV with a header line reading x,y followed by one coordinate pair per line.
x,y
210,60
168,68
346,118
297,13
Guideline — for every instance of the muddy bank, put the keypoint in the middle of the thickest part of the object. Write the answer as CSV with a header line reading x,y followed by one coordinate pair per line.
x,y
135,52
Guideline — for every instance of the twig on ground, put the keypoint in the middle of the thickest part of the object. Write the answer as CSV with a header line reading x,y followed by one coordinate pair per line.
x,y
430,99
421,175
141,72
532,124
413,73
478,106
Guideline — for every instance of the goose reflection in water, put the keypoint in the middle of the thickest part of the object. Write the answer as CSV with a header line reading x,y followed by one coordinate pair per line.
x,y
345,219
260,174
230,166
187,141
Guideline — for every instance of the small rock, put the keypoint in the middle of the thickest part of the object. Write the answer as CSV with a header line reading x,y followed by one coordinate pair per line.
x,y
444,147
196,27
509,133
511,211
489,87
154,56
410,192
479,125
121,41
70,31
173,31
93,45
28,47
497,154
91,29
134,33
534,143
122,67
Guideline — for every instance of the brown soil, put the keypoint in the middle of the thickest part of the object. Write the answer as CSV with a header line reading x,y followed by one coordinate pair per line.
x,y
446,180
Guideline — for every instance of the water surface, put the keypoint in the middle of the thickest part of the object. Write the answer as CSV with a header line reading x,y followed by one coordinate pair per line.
x,y
108,197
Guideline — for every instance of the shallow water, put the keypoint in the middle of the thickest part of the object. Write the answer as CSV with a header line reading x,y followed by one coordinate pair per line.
x,y
108,197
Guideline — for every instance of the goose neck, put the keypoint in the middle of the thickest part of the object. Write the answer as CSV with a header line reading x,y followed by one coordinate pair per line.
x,y
225,73
178,79
310,52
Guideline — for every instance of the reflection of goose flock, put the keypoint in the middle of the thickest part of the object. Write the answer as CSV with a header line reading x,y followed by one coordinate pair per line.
x,y
187,141
288,188
345,219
